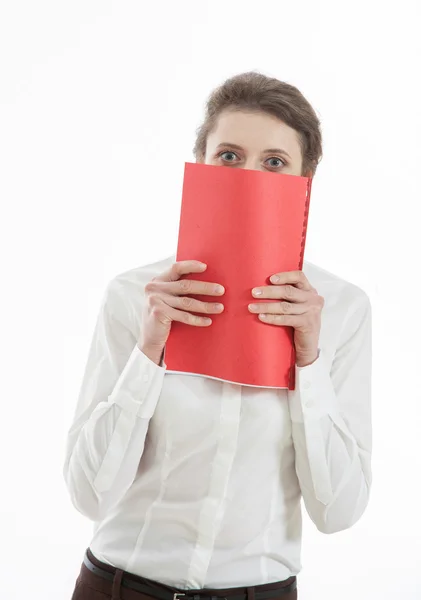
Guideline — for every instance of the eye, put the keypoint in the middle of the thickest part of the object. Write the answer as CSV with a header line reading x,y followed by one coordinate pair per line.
x,y
280,162
228,153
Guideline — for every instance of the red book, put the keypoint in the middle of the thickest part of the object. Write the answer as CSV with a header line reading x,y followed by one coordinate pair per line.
x,y
245,225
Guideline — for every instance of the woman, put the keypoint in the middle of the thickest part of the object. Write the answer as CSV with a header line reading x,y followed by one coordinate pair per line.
x,y
193,484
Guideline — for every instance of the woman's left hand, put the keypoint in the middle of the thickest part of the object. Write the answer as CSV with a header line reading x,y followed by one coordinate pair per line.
x,y
300,308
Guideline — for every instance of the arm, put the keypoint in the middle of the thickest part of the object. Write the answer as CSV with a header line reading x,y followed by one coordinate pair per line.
x,y
331,426
118,396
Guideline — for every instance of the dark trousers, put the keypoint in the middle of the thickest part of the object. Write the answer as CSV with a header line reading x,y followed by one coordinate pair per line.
x,y
92,586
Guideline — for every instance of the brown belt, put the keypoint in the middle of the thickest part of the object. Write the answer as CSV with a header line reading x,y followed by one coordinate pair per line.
x,y
164,592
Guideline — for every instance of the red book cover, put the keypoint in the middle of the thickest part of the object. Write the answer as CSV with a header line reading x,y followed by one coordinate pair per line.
x,y
245,225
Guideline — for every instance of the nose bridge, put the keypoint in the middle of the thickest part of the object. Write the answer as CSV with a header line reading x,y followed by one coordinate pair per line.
x,y
252,162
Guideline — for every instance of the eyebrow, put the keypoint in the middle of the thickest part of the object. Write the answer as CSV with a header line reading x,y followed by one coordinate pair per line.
x,y
237,147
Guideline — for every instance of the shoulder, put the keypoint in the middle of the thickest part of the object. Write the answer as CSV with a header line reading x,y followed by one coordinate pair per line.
x,y
346,309
338,293
124,293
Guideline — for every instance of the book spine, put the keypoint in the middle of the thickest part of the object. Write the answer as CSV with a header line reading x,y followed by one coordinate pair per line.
x,y
291,384
305,222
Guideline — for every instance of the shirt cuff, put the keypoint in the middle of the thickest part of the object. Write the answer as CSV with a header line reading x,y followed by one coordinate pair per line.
x,y
139,386
314,395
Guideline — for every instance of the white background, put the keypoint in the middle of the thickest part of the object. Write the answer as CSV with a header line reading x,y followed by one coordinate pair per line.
x,y
99,102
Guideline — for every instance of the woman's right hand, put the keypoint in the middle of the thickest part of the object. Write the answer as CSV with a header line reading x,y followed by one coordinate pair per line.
x,y
167,301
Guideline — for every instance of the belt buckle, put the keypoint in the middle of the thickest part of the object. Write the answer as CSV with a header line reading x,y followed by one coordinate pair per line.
x,y
177,594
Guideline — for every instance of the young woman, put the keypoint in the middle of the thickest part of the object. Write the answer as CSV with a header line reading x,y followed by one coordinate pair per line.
x,y
193,484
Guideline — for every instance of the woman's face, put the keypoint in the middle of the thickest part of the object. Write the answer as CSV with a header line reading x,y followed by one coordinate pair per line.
x,y
254,140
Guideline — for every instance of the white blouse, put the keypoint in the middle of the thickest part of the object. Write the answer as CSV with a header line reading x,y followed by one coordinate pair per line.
x,y
197,483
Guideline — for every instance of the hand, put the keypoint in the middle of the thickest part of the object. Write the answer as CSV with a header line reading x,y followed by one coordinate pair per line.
x,y
300,308
167,301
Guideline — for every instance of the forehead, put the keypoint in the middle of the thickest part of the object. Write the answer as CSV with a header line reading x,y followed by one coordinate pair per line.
x,y
254,131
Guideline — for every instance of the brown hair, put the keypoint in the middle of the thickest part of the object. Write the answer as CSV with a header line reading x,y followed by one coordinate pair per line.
x,y
254,91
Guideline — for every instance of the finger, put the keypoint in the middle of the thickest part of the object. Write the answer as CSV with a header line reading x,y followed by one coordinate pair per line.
x,y
279,308
191,304
293,277
183,317
284,320
180,268
286,292
185,286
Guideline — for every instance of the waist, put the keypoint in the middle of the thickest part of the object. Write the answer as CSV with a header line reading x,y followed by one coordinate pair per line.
x,y
101,571
185,559
189,548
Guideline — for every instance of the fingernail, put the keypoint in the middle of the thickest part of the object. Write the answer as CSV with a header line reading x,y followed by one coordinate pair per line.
x,y
219,289
257,292
274,279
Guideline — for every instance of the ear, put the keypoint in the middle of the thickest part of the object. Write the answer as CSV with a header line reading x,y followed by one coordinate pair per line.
x,y
309,172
